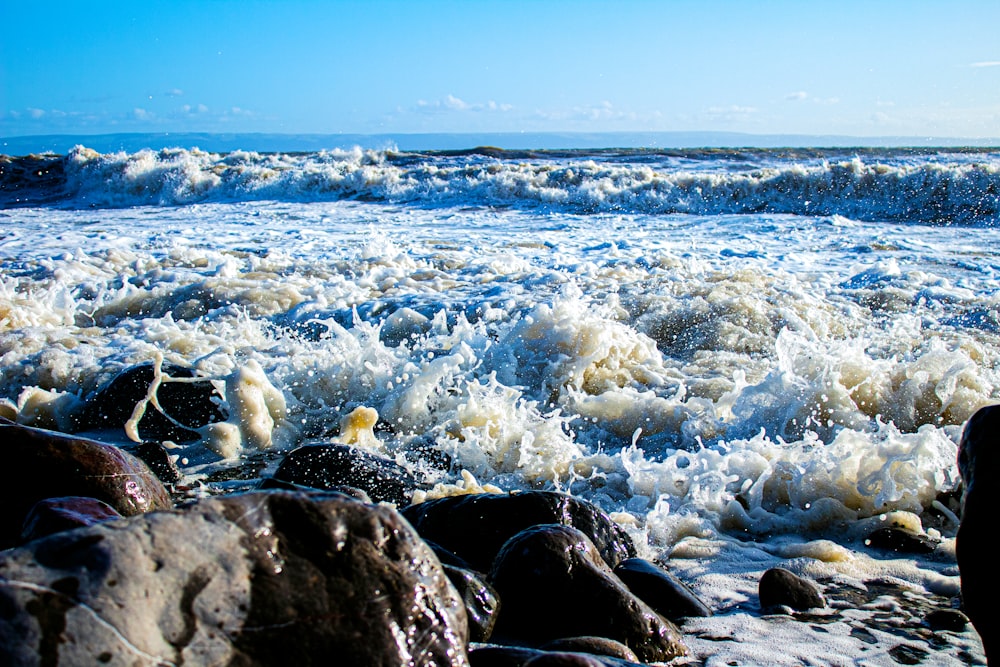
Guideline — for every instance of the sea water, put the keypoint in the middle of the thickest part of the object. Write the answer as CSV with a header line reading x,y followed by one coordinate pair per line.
x,y
748,358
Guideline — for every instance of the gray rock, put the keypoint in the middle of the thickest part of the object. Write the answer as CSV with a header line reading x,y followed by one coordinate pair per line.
x,y
778,587
554,584
265,578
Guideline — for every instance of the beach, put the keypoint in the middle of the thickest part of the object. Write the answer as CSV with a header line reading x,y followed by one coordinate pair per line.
x,y
747,358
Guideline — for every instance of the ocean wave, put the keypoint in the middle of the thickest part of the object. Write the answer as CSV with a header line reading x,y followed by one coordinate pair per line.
x,y
928,188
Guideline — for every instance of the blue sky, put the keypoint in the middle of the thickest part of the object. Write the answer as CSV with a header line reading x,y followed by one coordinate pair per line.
x,y
861,68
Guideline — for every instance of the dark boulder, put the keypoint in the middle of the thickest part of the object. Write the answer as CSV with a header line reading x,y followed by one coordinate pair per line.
x,y
54,515
975,544
554,584
39,464
593,645
899,540
480,598
665,593
330,466
947,619
780,588
187,403
264,578
475,526
519,656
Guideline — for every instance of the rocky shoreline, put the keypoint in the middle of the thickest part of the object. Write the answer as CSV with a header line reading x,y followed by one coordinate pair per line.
x,y
317,566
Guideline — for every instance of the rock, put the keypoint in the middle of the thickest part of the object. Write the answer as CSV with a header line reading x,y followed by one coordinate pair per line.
x,y
501,656
779,587
158,459
39,464
900,541
566,659
270,483
519,656
475,526
263,578
594,646
947,619
554,584
447,557
54,515
190,403
979,463
328,466
665,593
481,601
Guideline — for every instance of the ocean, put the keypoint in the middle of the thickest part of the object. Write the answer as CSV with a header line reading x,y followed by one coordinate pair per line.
x,y
748,357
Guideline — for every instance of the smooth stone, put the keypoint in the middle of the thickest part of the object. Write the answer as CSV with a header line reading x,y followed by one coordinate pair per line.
x,y
947,619
520,656
40,464
975,544
158,459
554,584
54,515
476,526
193,403
481,601
270,483
263,578
661,590
778,587
900,541
329,466
593,645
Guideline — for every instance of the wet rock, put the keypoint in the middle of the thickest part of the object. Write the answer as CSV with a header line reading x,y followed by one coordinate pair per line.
x,y
54,515
979,463
554,584
779,587
900,541
264,578
593,645
158,459
475,526
270,483
947,619
501,656
328,466
190,403
519,656
565,659
447,557
665,593
481,601
39,464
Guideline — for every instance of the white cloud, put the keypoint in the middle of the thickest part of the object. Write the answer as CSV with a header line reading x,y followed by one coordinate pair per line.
x,y
986,63
142,114
36,113
174,92
453,103
797,95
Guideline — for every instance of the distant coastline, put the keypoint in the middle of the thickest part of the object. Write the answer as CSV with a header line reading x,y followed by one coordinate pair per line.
x,y
131,142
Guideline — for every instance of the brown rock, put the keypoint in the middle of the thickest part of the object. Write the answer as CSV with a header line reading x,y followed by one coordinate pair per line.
x,y
54,515
554,584
475,526
39,464
779,587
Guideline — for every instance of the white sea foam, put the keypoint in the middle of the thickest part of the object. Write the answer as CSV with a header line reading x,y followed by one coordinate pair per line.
x,y
758,388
